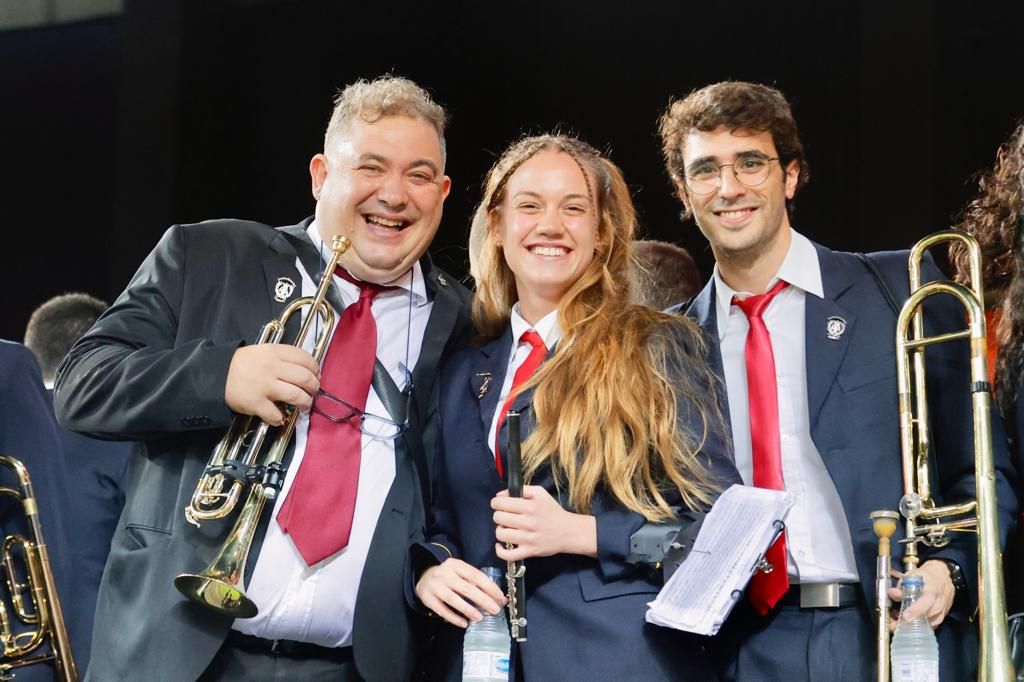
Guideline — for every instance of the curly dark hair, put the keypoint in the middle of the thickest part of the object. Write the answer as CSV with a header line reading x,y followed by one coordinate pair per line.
x,y
995,217
737,106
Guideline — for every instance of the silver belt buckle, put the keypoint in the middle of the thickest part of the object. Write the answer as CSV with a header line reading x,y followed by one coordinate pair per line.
x,y
819,595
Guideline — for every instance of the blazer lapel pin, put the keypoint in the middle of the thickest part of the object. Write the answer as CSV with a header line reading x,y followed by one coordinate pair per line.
x,y
481,382
835,326
283,289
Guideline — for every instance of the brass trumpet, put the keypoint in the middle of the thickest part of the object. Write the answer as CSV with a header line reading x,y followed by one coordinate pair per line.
x,y
927,523
236,464
39,589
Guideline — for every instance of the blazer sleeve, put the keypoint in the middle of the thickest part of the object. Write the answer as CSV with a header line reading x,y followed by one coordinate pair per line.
x,y
130,377
616,525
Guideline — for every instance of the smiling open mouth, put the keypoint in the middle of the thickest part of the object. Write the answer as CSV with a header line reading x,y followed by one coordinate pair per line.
x,y
548,250
379,221
737,214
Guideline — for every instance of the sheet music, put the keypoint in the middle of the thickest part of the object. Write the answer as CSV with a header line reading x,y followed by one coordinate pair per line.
x,y
737,531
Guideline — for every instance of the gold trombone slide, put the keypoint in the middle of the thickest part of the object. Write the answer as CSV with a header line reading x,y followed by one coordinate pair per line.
x,y
927,523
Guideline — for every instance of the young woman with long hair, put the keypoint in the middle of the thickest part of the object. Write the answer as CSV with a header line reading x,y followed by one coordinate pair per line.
x,y
621,427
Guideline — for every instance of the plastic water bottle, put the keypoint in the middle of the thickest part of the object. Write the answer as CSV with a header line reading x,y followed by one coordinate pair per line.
x,y
914,652
485,649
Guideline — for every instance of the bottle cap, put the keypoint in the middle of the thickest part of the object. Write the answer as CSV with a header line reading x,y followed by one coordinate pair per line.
x,y
913,580
495,574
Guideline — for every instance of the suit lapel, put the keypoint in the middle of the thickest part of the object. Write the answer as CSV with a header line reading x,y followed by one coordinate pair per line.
x,y
443,317
704,311
298,238
281,278
824,348
488,376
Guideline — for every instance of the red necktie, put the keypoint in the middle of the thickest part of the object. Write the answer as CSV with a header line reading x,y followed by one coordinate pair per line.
x,y
318,511
765,588
537,354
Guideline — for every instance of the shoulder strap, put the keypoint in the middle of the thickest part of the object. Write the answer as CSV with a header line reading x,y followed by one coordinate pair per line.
x,y
880,280
395,401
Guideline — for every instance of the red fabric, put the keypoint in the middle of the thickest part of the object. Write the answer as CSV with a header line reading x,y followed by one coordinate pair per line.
x,y
537,354
765,588
992,318
318,512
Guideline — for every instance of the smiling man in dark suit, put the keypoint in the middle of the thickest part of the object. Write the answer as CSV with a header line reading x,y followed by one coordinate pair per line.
x,y
174,360
803,340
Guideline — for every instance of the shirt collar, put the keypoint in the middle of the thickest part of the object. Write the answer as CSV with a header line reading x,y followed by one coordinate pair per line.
x,y
800,268
548,328
411,281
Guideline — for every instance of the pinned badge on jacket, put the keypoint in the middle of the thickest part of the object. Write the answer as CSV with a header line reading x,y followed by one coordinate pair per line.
x,y
283,289
481,382
835,327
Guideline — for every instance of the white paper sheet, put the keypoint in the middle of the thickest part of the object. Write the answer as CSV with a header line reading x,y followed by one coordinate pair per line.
x,y
734,536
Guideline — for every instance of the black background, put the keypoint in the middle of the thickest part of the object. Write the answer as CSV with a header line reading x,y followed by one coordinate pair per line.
x,y
183,110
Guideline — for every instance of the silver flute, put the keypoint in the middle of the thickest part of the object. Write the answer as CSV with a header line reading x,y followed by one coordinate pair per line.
x,y
515,575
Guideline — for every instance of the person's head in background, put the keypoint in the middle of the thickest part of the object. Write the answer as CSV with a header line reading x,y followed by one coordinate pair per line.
x,y
995,217
664,274
55,326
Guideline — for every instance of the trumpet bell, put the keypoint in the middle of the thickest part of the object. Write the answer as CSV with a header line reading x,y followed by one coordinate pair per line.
x,y
220,595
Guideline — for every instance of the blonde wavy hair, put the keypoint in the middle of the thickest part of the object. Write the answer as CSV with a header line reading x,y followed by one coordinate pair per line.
x,y
606,401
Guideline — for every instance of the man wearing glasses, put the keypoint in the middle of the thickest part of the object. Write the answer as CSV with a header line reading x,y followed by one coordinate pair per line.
x,y
803,339
175,359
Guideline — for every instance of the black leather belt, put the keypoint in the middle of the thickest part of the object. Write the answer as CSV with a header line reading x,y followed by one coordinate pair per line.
x,y
288,647
821,595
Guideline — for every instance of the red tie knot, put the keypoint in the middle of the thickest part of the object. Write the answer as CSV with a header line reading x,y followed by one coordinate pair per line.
x,y
533,338
753,306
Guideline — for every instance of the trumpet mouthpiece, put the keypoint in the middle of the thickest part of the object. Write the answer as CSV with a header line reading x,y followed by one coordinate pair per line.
x,y
340,244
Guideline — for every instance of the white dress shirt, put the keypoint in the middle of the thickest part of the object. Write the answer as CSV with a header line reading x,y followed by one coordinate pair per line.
x,y
550,332
316,603
818,540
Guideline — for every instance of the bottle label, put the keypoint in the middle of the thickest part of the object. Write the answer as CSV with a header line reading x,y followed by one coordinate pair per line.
x,y
485,665
915,671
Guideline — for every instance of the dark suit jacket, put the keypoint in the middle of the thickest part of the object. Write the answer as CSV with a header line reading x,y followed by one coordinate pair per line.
x,y
586,615
153,368
851,392
98,469
28,432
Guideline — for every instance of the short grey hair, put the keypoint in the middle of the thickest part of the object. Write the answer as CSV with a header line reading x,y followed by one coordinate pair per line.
x,y
373,100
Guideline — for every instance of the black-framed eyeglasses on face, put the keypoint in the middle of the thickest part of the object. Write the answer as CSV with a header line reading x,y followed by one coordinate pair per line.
x,y
751,171
335,409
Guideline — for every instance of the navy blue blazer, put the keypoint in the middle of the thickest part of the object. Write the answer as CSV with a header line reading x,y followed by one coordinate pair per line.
x,y
28,432
586,615
852,398
99,469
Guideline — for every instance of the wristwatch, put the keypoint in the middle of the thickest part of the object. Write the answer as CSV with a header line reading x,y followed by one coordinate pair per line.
x,y
956,574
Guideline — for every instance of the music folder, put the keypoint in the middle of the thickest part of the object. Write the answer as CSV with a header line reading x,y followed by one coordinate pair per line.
x,y
742,524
